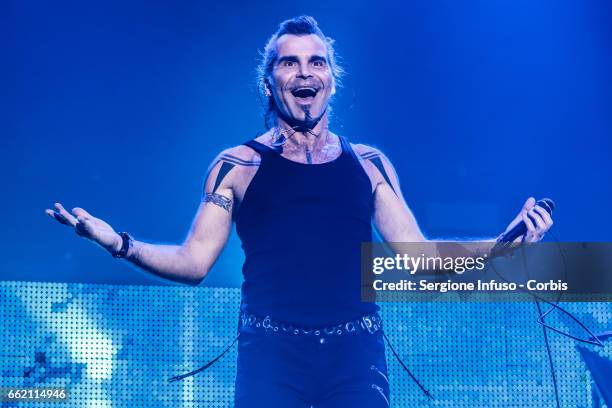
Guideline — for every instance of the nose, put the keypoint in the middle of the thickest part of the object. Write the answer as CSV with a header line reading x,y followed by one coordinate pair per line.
x,y
304,71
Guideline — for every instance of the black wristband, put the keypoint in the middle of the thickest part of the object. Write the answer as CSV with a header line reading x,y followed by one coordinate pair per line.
x,y
126,244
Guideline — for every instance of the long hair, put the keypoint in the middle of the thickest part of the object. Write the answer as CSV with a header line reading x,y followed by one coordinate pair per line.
x,y
302,25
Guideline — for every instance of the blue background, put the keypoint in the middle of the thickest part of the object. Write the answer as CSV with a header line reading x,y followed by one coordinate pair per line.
x,y
119,107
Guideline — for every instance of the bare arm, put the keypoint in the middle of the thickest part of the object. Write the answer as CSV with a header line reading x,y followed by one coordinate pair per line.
x,y
187,263
396,223
392,217
209,232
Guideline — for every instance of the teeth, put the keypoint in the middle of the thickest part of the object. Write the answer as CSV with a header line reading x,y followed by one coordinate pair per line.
x,y
297,91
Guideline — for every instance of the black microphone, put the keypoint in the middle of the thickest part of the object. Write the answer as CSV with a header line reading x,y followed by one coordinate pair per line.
x,y
520,228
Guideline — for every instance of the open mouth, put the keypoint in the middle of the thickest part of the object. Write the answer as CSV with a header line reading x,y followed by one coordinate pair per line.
x,y
304,93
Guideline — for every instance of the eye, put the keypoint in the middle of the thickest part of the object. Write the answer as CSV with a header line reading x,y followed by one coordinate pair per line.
x,y
319,63
287,63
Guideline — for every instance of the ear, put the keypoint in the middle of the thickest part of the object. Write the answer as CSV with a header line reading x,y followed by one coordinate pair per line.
x,y
267,90
333,87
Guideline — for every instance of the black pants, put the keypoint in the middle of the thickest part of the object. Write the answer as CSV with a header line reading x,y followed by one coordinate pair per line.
x,y
291,371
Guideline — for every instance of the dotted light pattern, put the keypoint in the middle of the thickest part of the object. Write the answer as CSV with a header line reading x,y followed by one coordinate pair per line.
x,y
116,346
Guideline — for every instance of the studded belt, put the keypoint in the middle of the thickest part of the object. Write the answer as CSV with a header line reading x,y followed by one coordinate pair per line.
x,y
370,323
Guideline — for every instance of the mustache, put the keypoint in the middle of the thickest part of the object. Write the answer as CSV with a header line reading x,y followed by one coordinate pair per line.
x,y
317,85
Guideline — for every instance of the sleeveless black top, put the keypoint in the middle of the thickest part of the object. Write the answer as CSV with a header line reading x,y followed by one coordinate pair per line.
x,y
301,227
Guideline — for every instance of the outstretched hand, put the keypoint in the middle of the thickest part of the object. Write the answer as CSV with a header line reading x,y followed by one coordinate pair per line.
x,y
537,220
87,226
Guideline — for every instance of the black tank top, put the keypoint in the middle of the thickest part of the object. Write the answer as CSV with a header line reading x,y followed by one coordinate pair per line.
x,y
301,227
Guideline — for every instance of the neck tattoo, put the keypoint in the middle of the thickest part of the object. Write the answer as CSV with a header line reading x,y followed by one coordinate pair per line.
x,y
280,137
308,156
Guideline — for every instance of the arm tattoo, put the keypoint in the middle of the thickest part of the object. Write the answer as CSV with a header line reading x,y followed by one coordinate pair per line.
x,y
374,157
218,200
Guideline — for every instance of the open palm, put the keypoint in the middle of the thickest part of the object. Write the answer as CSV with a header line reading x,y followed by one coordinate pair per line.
x,y
87,226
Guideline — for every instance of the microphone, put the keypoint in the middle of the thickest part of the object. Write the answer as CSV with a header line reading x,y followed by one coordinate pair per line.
x,y
520,228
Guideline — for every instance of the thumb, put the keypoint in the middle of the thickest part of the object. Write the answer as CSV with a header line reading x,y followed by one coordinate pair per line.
x,y
83,219
528,204
83,226
519,217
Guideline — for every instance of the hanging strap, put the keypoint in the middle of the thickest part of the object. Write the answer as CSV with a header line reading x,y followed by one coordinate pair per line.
x,y
211,362
406,368
346,146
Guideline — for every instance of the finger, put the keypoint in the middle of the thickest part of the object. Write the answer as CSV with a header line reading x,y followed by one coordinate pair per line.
x,y
545,215
67,216
537,218
57,217
79,212
528,204
528,224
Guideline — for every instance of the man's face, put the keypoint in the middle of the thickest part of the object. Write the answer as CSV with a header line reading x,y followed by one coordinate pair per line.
x,y
301,81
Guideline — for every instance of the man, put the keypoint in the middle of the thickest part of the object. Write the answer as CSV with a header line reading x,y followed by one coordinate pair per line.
x,y
303,199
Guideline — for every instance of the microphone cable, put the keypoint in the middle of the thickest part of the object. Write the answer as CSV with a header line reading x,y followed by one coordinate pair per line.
x,y
593,340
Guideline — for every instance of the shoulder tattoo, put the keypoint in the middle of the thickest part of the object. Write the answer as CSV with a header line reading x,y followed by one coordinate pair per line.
x,y
228,158
228,162
374,157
